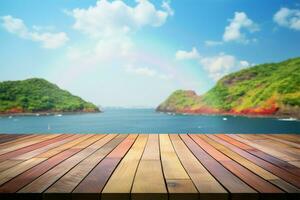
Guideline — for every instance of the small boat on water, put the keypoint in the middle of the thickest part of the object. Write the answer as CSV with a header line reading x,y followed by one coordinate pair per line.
x,y
58,115
288,119
170,113
224,118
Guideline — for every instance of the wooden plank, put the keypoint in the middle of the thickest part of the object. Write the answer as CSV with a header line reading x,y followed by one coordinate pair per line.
x,y
217,144
178,181
295,163
42,142
224,176
18,169
288,149
22,142
244,174
171,165
70,180
77,140
25,178
30,175
3,135
95,181
240,142
250,163
286,153
10,135
122,179
25,139
9,138
295,138
280,172
181,189
47,179
52,145
254,137
160,167
282,140
22,167
149,181
152,151
8,164
203,180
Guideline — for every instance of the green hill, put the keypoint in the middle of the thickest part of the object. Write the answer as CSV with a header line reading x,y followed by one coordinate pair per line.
x,y
38,95
267,89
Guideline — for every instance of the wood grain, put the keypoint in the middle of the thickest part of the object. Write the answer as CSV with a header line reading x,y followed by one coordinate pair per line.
x,y
95,181
149,178
70,180
202,179
243,173
177,180
149,166
48,178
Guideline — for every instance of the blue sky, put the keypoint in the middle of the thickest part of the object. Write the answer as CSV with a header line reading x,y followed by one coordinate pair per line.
x,y
135,53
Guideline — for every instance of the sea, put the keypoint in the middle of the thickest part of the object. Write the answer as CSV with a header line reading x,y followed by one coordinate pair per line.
x,y
145,121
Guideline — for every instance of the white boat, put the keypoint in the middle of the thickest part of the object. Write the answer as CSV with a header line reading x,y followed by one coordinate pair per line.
x,y
288,119
224,118
170,113
58,115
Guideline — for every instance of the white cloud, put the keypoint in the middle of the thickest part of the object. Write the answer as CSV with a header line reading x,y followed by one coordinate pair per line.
x,y
43,28
216,66
107,19
50,40
146,71
110,44
289,18
222,64
244,63
237,28
187,55
14,25
109,24
47,39
167,7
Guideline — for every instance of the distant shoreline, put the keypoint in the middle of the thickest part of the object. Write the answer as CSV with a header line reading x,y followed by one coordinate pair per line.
x,y
158,111
229,114
47,113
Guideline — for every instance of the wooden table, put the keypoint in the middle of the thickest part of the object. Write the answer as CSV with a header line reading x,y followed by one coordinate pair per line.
x,y
149,166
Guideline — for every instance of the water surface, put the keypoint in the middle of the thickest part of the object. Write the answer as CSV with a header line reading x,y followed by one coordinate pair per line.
x,y
144,121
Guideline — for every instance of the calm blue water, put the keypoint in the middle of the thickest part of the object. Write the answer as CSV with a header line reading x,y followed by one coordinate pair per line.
x,y
144,121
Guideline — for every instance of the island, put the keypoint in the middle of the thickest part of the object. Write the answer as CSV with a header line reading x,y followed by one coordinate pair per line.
x,y
38,96
271,89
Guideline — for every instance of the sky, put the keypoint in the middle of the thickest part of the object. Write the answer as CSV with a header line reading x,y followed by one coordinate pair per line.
x,y
137,52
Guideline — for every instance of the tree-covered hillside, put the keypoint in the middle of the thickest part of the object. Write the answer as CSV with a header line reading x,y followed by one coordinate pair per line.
x,y
39,95
265,89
